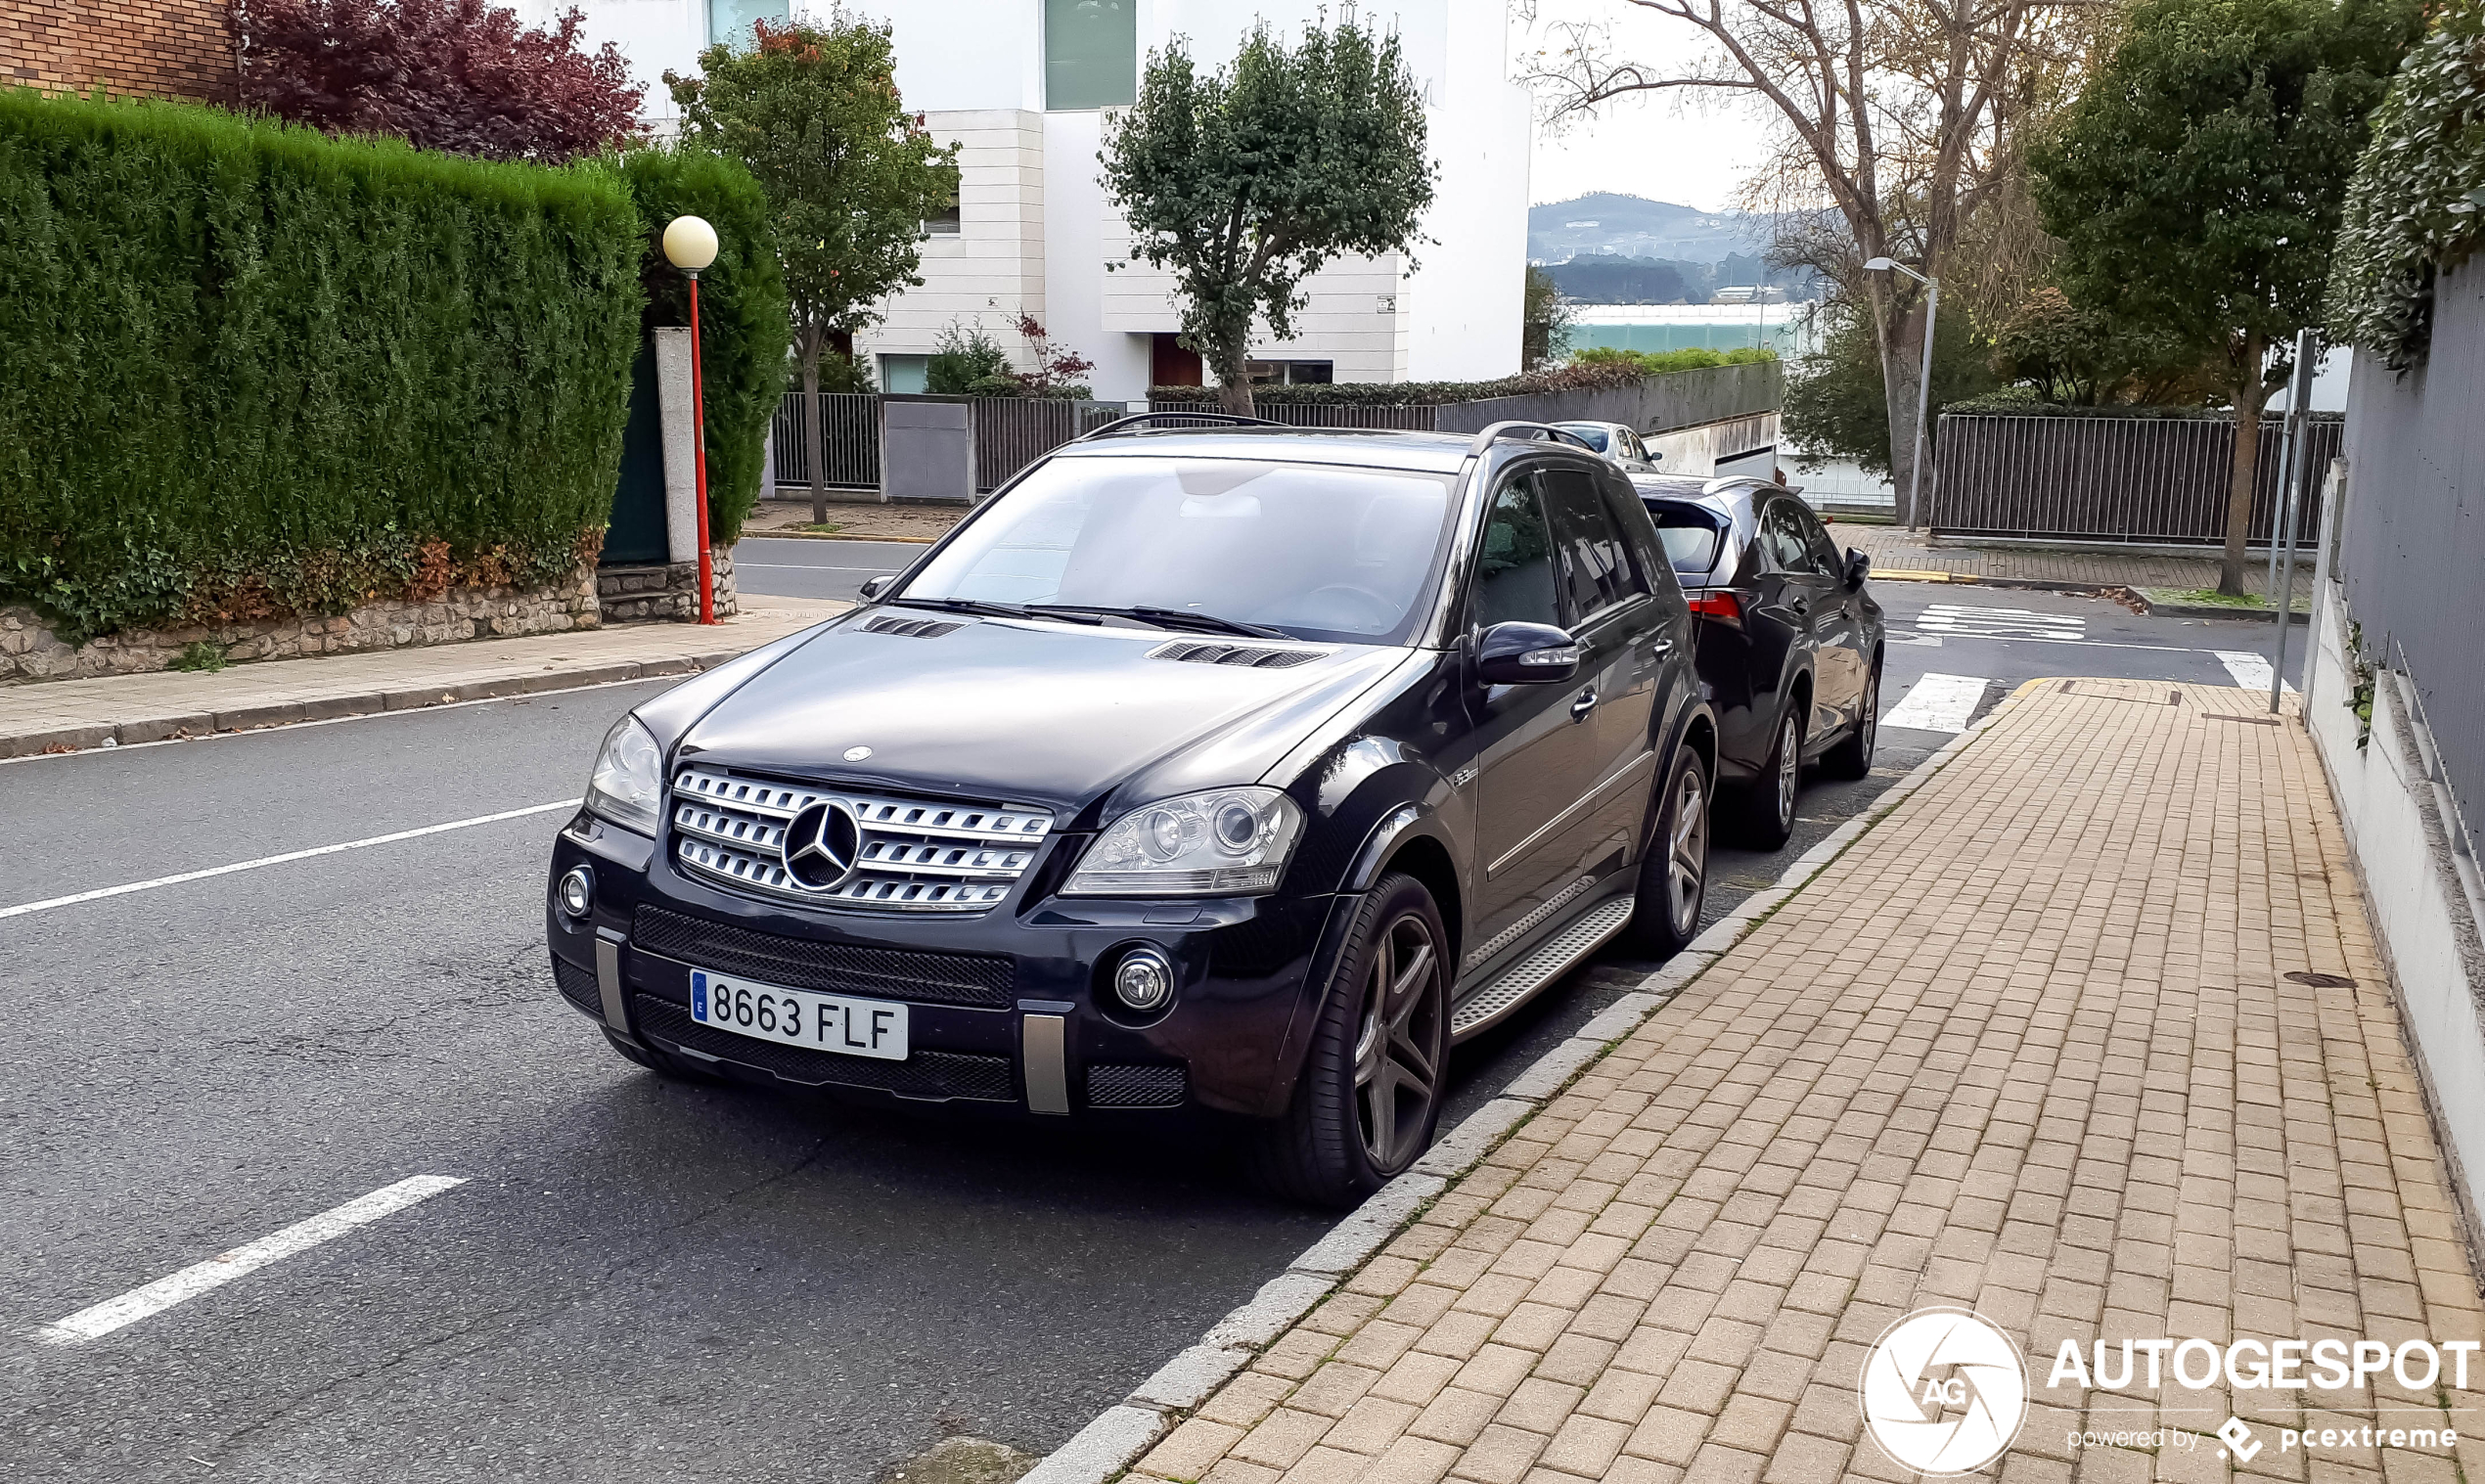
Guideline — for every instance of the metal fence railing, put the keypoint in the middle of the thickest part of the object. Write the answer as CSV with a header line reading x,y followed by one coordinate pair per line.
x,y
1012,432
2155,481
1415,419
850,434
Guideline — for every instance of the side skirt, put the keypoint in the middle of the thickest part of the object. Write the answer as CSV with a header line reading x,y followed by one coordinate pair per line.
x,y
1493,1000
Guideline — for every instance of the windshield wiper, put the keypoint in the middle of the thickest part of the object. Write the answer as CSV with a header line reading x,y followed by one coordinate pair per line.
x,y
1169,619
975,605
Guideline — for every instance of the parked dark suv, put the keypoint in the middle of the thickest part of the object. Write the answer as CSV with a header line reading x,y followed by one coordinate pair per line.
x,y
1241,770
1790,640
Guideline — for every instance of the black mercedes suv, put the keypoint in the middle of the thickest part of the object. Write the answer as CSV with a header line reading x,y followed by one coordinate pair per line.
x,y
1233,768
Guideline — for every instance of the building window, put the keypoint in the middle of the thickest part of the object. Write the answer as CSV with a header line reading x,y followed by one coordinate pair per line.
x,y
731,20
905,374
944,223
1292,373
1091,53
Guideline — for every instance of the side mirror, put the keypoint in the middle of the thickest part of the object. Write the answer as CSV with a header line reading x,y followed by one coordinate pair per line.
x,y
1526,655
878,585
1856,566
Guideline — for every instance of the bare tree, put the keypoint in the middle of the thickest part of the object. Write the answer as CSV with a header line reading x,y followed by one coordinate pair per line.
x,y
1902,116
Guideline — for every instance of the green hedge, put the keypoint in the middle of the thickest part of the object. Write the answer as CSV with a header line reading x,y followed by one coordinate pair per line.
x,y
746,331
246,368
1586,371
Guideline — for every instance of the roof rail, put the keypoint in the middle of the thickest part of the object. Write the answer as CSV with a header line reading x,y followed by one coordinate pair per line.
x,y
1520,428
1122,426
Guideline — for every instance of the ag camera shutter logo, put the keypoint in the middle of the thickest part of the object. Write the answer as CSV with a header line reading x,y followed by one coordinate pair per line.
x,y
1944,1391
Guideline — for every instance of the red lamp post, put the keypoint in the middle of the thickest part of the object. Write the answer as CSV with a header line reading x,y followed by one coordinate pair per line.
x,y
690,245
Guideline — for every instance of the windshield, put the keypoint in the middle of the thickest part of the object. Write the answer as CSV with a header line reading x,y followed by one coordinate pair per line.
x,y
1316,550
1691,534
1587,433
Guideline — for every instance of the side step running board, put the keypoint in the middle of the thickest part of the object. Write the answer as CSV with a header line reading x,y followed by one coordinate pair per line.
x,y
1551,959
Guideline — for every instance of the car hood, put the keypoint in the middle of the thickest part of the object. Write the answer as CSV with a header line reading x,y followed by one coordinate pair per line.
x,y
1004,711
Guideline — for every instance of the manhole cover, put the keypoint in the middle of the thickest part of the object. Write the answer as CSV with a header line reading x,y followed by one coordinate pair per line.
x,y
2322,981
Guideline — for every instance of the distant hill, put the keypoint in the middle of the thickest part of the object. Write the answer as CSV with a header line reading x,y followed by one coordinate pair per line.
x,y
1632,226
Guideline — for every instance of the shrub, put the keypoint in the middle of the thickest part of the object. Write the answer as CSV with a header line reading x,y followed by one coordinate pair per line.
x,y
459,75
963,356
744,332
249,369
1587,372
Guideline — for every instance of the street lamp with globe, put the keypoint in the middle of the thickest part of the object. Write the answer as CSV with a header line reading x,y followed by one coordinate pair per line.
x,y
690,245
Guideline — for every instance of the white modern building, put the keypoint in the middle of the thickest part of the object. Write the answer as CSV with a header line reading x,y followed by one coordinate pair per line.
x,y
1026,87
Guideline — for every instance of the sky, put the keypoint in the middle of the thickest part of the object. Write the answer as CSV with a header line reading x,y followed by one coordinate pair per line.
x,y
1653,146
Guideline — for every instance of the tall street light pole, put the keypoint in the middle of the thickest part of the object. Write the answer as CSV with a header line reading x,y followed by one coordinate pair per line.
x,y
690,245
1924,382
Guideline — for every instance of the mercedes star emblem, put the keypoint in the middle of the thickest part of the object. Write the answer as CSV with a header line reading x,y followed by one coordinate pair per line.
x,y
821,844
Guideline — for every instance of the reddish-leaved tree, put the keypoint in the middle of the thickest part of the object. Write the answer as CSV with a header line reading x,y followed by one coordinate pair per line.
x,y
458,76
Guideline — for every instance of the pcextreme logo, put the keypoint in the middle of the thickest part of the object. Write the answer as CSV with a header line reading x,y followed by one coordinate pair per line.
x,y
1944,1391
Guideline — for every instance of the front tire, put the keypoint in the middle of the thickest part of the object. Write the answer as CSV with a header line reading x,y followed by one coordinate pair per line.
x,y
1370,1096
1674,869
1853,756
1769,806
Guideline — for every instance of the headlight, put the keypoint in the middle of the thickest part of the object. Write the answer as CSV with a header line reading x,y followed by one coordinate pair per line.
x,y
629,778
1232,842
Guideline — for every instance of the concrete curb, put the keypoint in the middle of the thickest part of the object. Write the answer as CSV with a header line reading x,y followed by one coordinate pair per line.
x,y
1106,1448
246,718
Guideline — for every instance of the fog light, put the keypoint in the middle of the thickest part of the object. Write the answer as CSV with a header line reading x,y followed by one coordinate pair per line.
x,y
1144,979
577,891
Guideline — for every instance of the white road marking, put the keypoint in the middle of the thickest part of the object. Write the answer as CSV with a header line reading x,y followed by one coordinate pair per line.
x,y
2250,671
22,908
223,1268
1938,703
1965,622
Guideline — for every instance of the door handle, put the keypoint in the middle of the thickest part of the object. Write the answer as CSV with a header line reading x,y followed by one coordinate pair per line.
x,y
1586,703
1662,647
1802,606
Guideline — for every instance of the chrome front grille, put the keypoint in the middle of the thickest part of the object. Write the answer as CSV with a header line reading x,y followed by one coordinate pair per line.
x,y
913,855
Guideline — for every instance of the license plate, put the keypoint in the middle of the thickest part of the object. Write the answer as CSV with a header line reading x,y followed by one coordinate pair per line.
x,y
798,1016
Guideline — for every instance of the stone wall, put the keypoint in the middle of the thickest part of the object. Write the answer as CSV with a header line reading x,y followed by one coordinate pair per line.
x,y
152,48
29,650
663,589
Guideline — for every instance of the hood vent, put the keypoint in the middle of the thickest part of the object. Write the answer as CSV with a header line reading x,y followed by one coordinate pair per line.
x,y
912,628
1249,656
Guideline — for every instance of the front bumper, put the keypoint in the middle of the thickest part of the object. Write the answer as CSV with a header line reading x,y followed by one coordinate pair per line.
x,y
1007,1010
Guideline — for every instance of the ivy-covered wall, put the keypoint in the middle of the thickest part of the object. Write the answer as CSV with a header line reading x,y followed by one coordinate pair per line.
x,y
248,371
2417,207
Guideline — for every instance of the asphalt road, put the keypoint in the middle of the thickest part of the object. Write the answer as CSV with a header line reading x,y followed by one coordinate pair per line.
x,y
638,1280
802,566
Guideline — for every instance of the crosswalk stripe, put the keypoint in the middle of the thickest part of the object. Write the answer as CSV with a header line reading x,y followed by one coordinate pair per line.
x,y
2252,671
1938,703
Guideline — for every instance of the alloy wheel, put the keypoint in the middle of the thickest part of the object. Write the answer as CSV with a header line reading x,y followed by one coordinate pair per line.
x,y
1872,718
1789,769
1686,853
1398,1048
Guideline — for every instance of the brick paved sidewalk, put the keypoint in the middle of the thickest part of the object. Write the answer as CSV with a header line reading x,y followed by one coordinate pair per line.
x,y
123,710
2028,1046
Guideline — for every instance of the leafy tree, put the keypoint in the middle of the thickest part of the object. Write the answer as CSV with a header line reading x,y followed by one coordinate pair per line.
x,y
2081,357
814,111
1837,407
461,77
1246,182
2198,181
1544,321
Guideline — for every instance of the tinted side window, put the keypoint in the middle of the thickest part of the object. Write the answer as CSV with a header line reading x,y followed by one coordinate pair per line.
x,y
1595,566
1826,558
1515,564
1783,540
